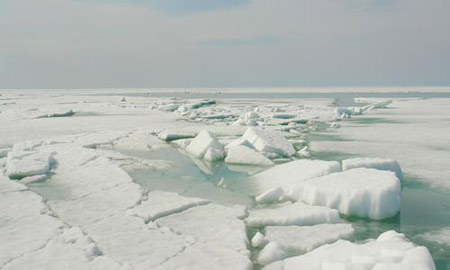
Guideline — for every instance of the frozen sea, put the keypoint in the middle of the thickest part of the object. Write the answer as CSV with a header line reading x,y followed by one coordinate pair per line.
x,y
90,176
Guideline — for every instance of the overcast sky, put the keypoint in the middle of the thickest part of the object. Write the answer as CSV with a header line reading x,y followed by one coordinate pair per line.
x,y
223,43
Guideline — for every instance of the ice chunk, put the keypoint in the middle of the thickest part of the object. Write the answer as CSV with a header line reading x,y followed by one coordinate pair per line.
x,y
375,163
302,239
168,136
258,240
359,192
160,204
269,141
294,172
292,214
270,253
169,107
369,255
4,152
240,154
21,164
239,141
214,153
270,196
202,142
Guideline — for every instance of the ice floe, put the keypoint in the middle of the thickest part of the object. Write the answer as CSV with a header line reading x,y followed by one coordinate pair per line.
x,y
358,192
291,214
375,163
302,239
292,173
206,143
269,141
391,250
241,154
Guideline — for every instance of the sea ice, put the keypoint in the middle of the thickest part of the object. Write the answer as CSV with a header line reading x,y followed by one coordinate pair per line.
x,y
291,214
269,141
358,192
302,239
203,142
160,204
375,163
241,154
295,172
390,251
270,196
270,253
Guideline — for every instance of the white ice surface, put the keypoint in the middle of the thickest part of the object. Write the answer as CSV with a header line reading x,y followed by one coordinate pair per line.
x,y
302,239
291,214
270,196
270,253
375,163
241,154
269,141
205,141
160,204
295,172
358,192
391,250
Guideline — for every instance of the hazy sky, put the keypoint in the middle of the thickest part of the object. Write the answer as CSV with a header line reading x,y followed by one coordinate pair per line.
x,y
223,43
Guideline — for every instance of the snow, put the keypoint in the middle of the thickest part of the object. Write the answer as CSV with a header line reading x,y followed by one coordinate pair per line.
x,y
270,253
292,173
375,163
270,196
291,214
269,141
160,204
203,142
241,154
390,251
302,239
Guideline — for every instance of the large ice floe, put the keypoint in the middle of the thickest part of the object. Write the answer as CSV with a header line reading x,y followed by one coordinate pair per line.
x,y
391,250
361,192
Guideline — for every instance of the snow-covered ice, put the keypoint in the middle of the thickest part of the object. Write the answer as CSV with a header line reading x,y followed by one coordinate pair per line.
x,y
241,154
206,145
391,250
292,214
375,163
292,173
269,141
302,239
358,192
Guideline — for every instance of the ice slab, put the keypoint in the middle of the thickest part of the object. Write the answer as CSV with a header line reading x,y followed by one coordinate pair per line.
x,y
358,192
203,142
269,141
292,214
20,164
390,251
375,163
160,204
270,196
270,253
302,239
294,172
241,154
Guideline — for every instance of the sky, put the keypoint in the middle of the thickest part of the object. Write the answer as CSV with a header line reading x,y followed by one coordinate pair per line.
x,y
223,43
